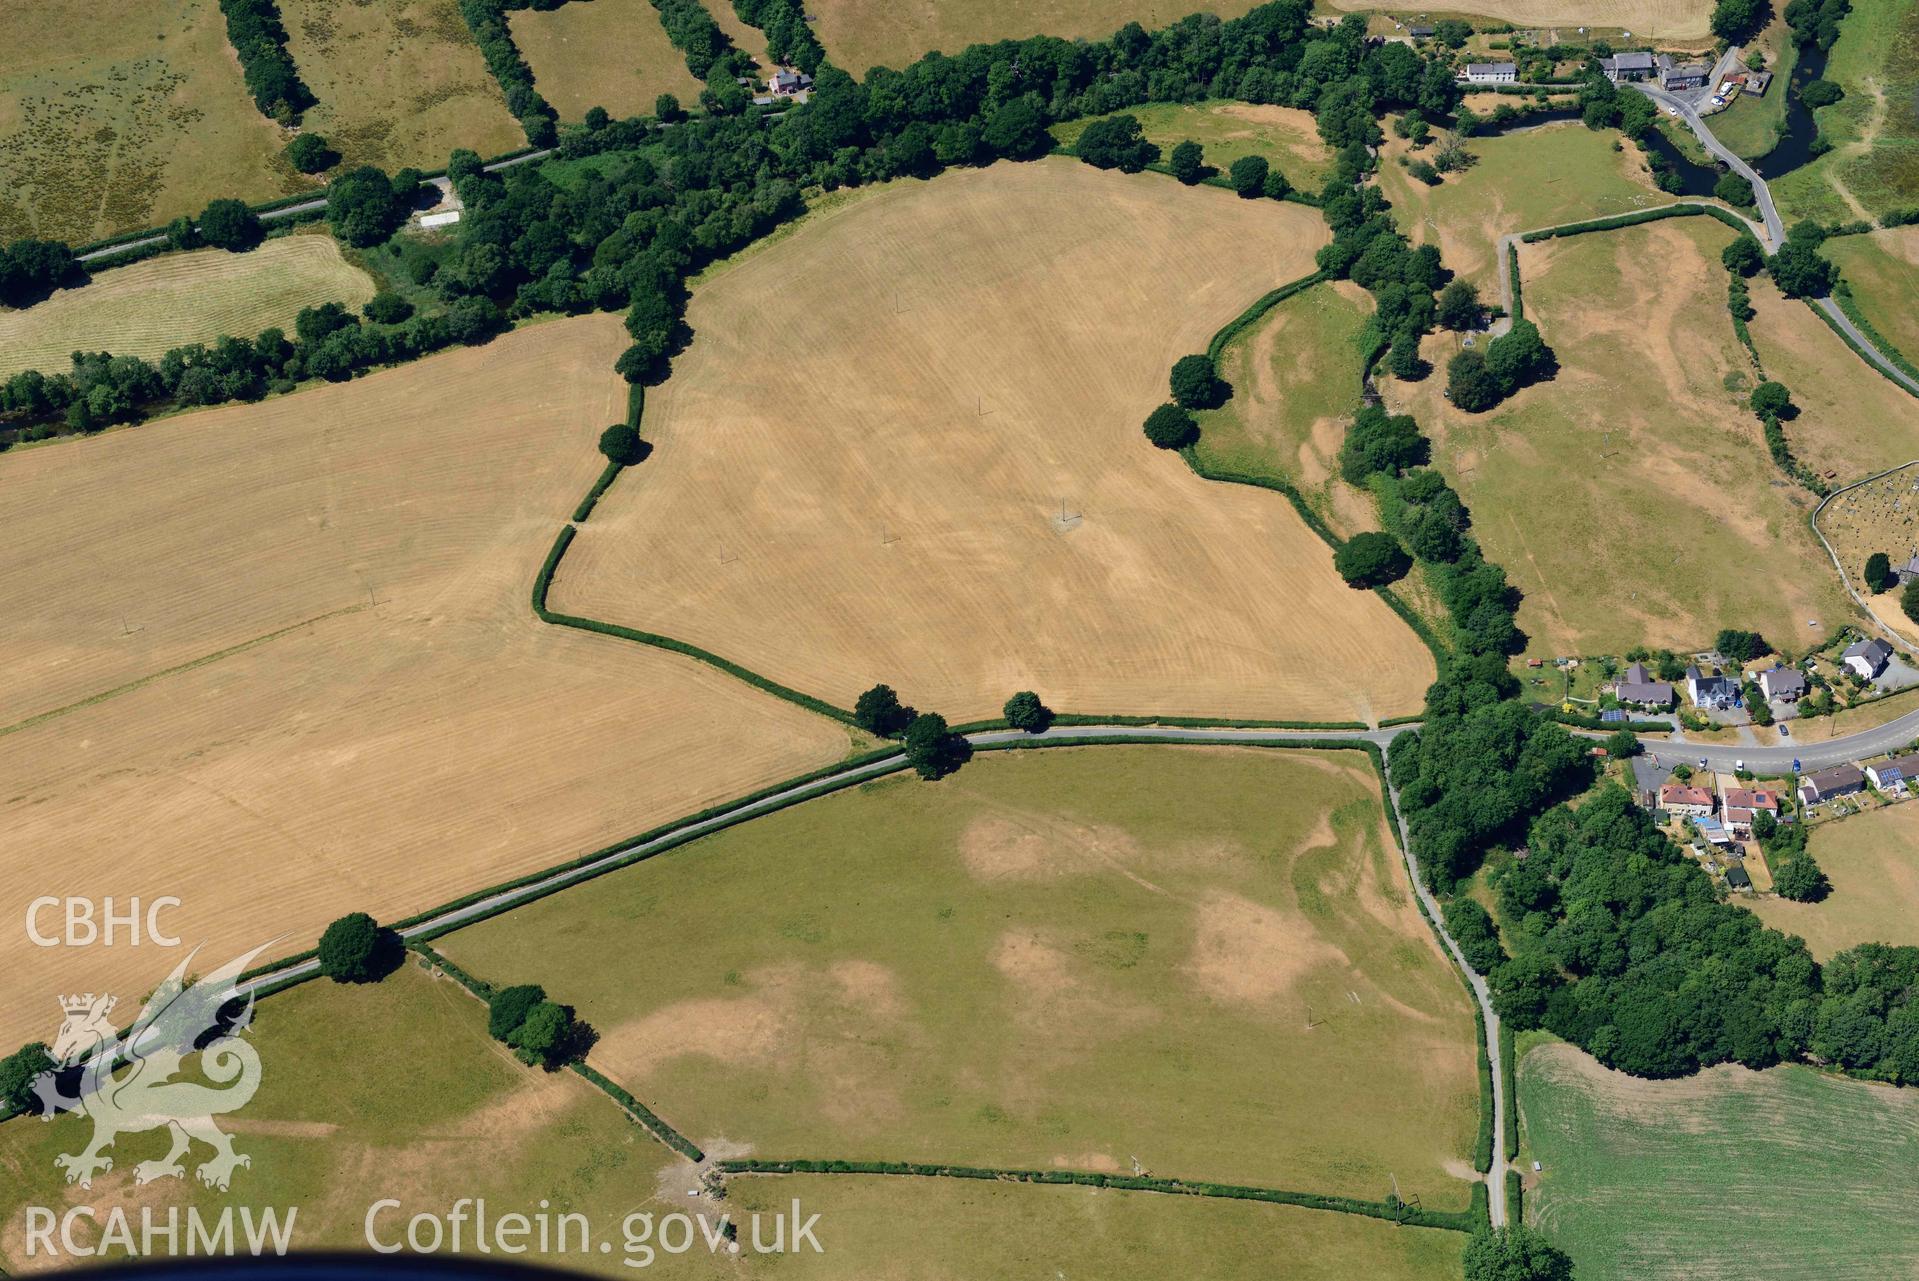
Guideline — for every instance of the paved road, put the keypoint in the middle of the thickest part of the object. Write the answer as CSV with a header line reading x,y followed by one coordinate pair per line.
x,y
1775,231
277,215
1891,370
1889,737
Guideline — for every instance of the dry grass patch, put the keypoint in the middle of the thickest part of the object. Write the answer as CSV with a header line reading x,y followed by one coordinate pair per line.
x,y
425,735
606,53
859,34
149,307
1853,420
114,118
1286,137
1632,499
1204,958
1879,516
1651,19
1872,860
862,460
399,82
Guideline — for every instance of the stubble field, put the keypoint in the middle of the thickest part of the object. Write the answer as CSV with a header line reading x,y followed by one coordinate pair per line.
x,y
607,53
165,302
299,670
1727,1174
1205,959
1873,863
399,82
1630,497
862,462
113,121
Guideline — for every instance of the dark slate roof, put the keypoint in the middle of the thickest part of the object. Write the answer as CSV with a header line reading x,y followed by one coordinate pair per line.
x,y
1737,878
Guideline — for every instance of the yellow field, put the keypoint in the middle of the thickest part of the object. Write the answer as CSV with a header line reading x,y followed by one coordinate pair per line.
x,y
1872,861
376,720
1685,20
400,82
120,117
607,53
859,34
1853,420
1631,497
149,307
1879,516
863,458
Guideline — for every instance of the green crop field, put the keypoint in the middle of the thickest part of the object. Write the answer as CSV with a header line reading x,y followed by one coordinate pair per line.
x,y
1730,1174
1285,136
608,53
149,307
1207,960
1874,129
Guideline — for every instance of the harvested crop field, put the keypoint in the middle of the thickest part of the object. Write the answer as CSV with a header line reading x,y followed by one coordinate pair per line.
x,y
1204,958
1286,137
1618,494
1879,516
169,301
1519,182
607,53
400,82
1853,420
1649,1179
863,459
1872,860
1651,19
1883,270
110,122
298,664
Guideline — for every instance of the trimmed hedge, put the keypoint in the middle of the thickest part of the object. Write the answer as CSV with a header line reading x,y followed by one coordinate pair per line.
x,y
1519,295
639,1112
1265,303
1515,1197
1395,1212
1842,295
607,476
1848,339
1483,1142
1508,1056
1634,219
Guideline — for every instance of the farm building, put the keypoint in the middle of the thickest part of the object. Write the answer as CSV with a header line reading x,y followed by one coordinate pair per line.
x,y
1678,77
1420,31
1491,73
1867,659
1840,780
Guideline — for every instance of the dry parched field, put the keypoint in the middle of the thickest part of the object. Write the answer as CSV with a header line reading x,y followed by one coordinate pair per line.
x,y
150,307
862,462
1672,19
607,53
1873,862
1632,499
1879,516
1206,959
400,82
376,719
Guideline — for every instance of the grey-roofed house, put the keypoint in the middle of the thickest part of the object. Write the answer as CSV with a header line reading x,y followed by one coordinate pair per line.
x,y
1492,73
1420,31
1711,691
1628,66
1901,772
1840,780
1867,658
1638,686
1681,76
1737,877
1905,573
1783,683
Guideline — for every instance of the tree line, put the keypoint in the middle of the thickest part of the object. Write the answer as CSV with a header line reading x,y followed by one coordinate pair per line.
x,y
486,20
789,37
259,39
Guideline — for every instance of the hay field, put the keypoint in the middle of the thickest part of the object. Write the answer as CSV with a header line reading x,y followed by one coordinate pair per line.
x,y
1853,420
607,53
1883,270
1727,1174
1204,958
862,459
1632,499
1872,860
1880,516
111,122
304,674
1285,136
1521,182
860,34
1685,20
165,302
400,82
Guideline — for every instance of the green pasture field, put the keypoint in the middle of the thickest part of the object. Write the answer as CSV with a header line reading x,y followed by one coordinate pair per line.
x,y
1874,164
1207,960
1285,136
118,118
1872,861
607,53
1729,1174
1883,270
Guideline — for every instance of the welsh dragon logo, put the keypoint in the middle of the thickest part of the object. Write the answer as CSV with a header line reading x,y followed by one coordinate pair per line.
x,y
126,1083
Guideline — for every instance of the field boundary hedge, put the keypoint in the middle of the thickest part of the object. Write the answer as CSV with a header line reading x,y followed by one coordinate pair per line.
x,y
1508,1057
1392,1211
1842,296
1853,343
1682,210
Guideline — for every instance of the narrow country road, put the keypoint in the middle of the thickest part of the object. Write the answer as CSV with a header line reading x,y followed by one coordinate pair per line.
x,y
278,215
1886,738
1775,231
1892,371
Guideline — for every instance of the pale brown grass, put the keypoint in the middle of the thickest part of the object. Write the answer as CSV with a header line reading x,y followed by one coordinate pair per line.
x,y
861,463
425,737
1879,516
1687,20
149,307
1873,862
608,53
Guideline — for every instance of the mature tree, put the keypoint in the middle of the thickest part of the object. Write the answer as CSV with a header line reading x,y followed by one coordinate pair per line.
x,y
1024,711
1276,186
1404,360
879,711
365,206
1821,93
356,949
1763,826
1909,599
309,153
1472,928
1879,576
1799,269
387,309
1459,307
1188,162
1735,20
1800,879
508,1007
549,1036
1248,175
1514,1253
229,224
1470,385
181,233
667,109
1452,32
18,1072
1520,357
1741,646
1743,256
1734,190
32,269
1371,559
1196,384
1622,744
1772,400
1380,442
933,749
1116,142
621,444
1171,427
